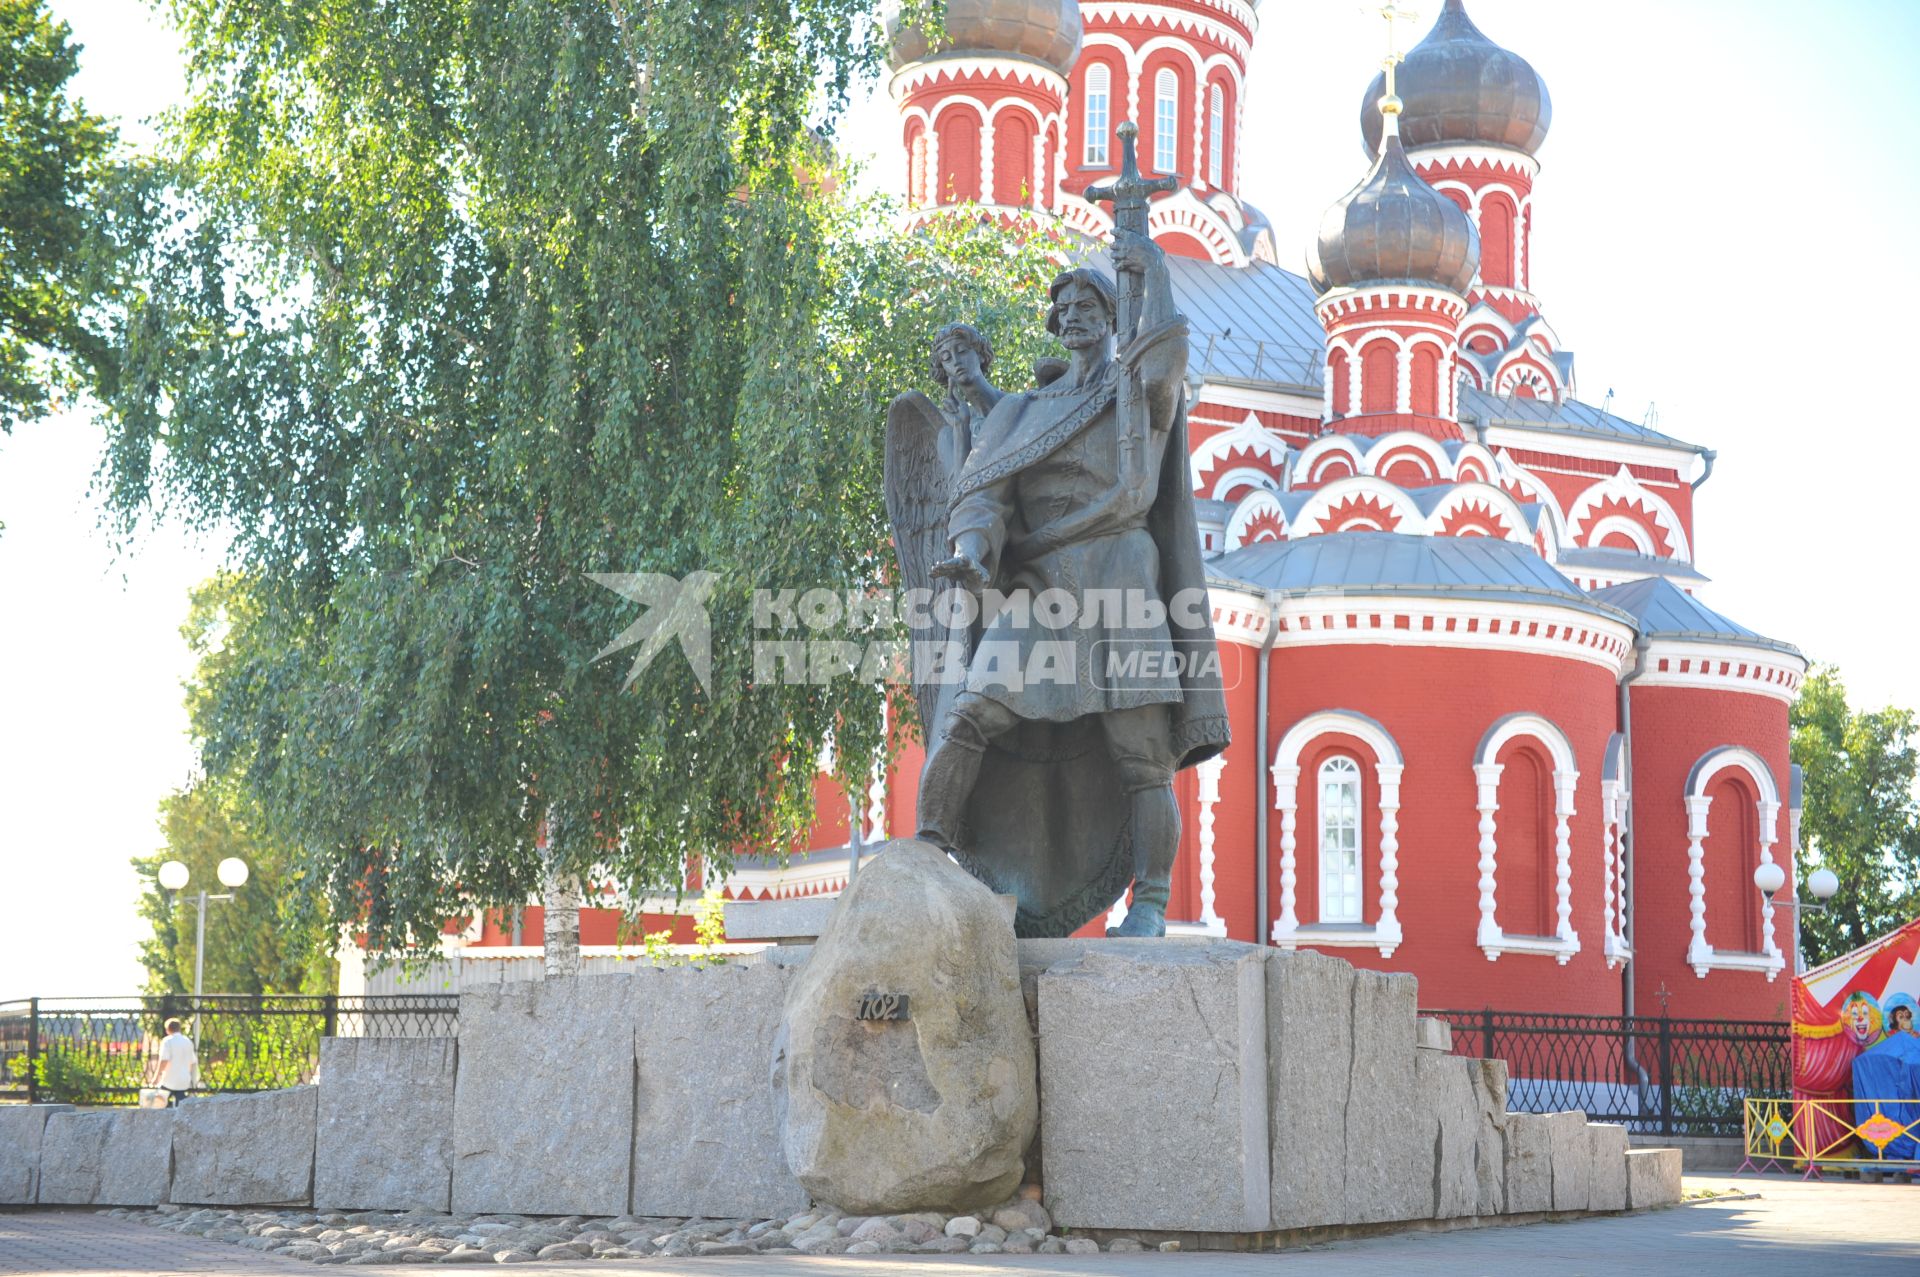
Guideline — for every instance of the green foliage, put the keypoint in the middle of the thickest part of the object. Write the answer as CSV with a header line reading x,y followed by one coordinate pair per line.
x,y
439,307
1860,817
259,941
51,152
257,1053
63,1076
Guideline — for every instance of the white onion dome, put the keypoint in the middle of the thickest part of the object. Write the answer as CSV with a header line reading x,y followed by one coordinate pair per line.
x,y
1394,228
1459,86
1043,31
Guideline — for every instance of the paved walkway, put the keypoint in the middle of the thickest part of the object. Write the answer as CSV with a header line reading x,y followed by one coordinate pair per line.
x,y
1792,1229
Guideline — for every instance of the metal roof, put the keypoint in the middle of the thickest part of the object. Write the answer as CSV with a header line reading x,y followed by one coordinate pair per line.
x,y
1571,417
1250,323
1254,325
1605,559
1664,610
1392,562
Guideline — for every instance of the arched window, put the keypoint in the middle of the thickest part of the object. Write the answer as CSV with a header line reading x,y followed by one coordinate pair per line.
x,y
1339,840
1526,856
1426,379
1325,813
1496,242
1733,810
1012,159
1216,133
1099,90
959,157
1525,781
1338,378
916,164
1379,377
1166,127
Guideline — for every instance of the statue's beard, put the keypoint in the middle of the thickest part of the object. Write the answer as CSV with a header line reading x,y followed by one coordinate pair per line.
x,y
1083,338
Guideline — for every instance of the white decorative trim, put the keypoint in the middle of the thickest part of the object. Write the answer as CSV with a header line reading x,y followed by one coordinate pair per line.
x,y
1701,955
915,76
1495,159
1622,486
1385,934
1613,914
1723,667
1493,941
1208,775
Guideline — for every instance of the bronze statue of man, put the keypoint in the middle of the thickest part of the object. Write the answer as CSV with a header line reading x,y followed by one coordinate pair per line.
x,y
1091,676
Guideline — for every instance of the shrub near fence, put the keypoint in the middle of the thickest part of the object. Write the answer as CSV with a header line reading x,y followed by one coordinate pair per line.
x,y
102,1050
1651,1073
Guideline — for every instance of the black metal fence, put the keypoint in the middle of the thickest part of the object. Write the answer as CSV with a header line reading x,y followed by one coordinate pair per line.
x,y
103,1050
1651,1073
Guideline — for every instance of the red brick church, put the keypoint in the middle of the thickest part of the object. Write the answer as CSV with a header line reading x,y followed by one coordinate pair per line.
x,y
1486,730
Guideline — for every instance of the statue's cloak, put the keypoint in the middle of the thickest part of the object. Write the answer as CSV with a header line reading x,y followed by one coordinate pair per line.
x,y
1048,821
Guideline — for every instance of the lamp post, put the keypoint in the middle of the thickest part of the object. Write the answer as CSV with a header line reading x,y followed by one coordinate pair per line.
x,y
232,872
1821,883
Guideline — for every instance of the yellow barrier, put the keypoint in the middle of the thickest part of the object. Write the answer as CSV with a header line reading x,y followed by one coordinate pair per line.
x,y
1780,1133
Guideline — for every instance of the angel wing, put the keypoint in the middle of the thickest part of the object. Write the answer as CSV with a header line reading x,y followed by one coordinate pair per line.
x,y
925,451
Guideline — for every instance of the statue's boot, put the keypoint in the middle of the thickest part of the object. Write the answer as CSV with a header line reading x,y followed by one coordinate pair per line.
x,y
946,782
1156,840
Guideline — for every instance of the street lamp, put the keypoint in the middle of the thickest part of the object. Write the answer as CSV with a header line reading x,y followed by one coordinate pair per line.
x,y
173,876
1821,884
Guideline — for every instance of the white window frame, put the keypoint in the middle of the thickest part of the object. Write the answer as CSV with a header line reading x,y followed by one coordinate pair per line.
x,y
1097,124
1216,133
1385,933
1701,956
1565,941
1166,120
1341,770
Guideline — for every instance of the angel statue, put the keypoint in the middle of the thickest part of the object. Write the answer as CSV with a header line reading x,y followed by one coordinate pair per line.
x,y
1086,675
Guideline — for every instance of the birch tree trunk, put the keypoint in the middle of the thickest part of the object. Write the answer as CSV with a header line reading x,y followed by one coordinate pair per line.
x,y
560,900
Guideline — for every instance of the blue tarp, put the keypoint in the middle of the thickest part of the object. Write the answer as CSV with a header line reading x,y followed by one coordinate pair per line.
x,y
1890,1070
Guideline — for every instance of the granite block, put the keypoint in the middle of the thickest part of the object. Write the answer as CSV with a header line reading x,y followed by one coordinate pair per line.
x,y
1309,1066
1653,1177
384,1139
706,1139
543,1105
1607,1176
22,1128
245,1150
1153,1083
107,1157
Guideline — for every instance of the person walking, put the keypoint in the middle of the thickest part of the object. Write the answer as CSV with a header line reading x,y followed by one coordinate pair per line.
x,y
178,1066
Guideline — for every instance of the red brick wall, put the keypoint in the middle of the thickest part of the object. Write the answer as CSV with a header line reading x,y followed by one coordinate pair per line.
x,y
1436,703
1672,728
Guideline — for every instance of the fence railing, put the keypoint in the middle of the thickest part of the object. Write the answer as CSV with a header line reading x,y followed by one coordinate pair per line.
x,y
1651,1073
1846,1134
103,1050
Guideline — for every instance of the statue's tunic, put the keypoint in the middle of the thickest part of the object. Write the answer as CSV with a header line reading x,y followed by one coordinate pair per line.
x,y
1061,508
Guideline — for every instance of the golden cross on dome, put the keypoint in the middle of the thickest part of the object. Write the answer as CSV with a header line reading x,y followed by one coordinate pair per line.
x,y
1393,13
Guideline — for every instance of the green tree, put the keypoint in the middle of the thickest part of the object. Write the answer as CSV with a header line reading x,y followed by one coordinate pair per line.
x,y
258,942
1860,818
51,153
443,306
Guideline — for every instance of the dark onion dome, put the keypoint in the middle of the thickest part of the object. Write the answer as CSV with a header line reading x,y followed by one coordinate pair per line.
x,y
1045,31
1459,86
1394,228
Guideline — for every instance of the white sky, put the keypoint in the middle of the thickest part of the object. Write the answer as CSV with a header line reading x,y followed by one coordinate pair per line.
x,y
1724,226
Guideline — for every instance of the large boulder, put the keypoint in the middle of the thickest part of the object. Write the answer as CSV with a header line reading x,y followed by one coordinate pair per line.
x,y
930,1111
385,1134
22,1127
245,1150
